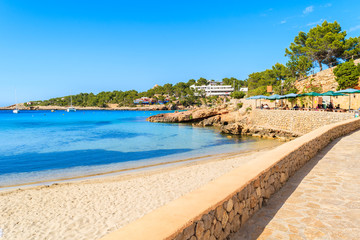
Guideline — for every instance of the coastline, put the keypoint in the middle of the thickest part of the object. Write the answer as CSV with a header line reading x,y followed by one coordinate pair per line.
x,y
110,108
132,170
106,202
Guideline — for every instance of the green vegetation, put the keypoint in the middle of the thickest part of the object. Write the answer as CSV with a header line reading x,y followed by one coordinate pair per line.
x,y
180,94
237,94
239,105
347,75
325,44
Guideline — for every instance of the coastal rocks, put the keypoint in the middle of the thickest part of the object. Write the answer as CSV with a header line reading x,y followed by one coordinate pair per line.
x,y
234,128
211,121
227,121
195,115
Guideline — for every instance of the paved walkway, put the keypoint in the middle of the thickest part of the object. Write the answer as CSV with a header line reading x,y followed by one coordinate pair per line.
x,y
321,201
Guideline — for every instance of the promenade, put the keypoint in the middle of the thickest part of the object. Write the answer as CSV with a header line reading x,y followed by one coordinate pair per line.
x,y
321,201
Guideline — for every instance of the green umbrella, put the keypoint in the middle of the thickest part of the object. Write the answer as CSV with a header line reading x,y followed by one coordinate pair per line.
x,y
349,91
312,94
332,94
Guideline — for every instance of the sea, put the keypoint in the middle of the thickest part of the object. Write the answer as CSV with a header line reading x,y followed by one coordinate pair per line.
x,y
43,146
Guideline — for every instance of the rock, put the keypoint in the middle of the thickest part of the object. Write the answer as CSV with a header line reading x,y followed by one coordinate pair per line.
x,y
206,236
219,213
234,128
200,228
231,216
186,116
189,231
283,177
207,221
224,219
229,205
211,121
217,230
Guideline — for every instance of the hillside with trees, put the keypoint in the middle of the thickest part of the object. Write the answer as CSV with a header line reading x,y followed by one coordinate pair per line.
x,y
180,94
323,45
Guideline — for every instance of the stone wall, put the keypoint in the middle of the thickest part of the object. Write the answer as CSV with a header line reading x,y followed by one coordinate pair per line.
x,y
299,122
326,79
218,209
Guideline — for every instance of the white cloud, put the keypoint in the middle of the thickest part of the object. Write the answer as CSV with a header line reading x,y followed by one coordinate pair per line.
x,y
283,21
352,29
309,9
315,23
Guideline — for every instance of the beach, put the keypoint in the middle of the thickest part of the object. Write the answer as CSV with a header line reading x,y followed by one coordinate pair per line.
x,y
89,209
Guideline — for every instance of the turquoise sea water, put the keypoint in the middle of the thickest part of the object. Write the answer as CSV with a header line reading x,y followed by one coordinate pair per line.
x,y
43,145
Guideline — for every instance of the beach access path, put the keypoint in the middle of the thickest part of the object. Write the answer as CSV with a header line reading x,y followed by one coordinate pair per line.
x,y
321,201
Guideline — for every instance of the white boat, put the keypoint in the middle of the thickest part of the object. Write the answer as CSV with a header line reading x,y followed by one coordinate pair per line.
x,y
16,110
71,108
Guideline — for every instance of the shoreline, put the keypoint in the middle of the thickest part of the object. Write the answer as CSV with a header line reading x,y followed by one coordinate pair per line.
x,y
59,108
93,207
134,170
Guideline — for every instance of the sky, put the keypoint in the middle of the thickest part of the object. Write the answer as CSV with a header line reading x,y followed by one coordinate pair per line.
x,y
62,47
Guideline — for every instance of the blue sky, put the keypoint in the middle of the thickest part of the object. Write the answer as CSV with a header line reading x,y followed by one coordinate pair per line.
x,y
56,48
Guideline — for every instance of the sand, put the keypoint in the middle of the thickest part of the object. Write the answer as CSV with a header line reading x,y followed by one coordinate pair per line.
x,y
89,209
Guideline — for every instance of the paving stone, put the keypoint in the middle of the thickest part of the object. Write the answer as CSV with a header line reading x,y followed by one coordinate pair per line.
x,y
320,201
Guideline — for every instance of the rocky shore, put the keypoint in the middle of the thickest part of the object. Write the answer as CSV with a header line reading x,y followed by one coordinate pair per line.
x,y
227,119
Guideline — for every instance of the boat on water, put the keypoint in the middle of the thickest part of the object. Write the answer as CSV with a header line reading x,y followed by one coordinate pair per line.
x,y
71,108
16,110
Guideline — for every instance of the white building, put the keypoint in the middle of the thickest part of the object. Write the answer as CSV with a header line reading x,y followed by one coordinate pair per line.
x,y
213,89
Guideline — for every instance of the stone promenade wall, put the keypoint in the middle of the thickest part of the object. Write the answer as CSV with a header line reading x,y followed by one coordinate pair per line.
x,y
218,209
300,122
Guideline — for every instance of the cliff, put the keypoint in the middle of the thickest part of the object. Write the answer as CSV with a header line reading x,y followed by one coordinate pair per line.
x,y
325,78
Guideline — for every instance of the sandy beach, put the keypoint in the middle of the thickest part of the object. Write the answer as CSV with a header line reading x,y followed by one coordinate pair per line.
x,y
89,209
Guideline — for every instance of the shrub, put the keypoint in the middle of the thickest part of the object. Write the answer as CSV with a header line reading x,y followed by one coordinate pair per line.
x,y
347,75
239,105
237,94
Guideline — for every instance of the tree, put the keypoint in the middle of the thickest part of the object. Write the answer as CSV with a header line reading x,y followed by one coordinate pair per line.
x,y
237,94
201,81
191,82
347,75
299,66
352,48
323,44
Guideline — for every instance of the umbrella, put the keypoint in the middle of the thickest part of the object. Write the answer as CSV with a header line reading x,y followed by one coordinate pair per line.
x,y
312,94
350,91
332,93
273,97
290,95
260,97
